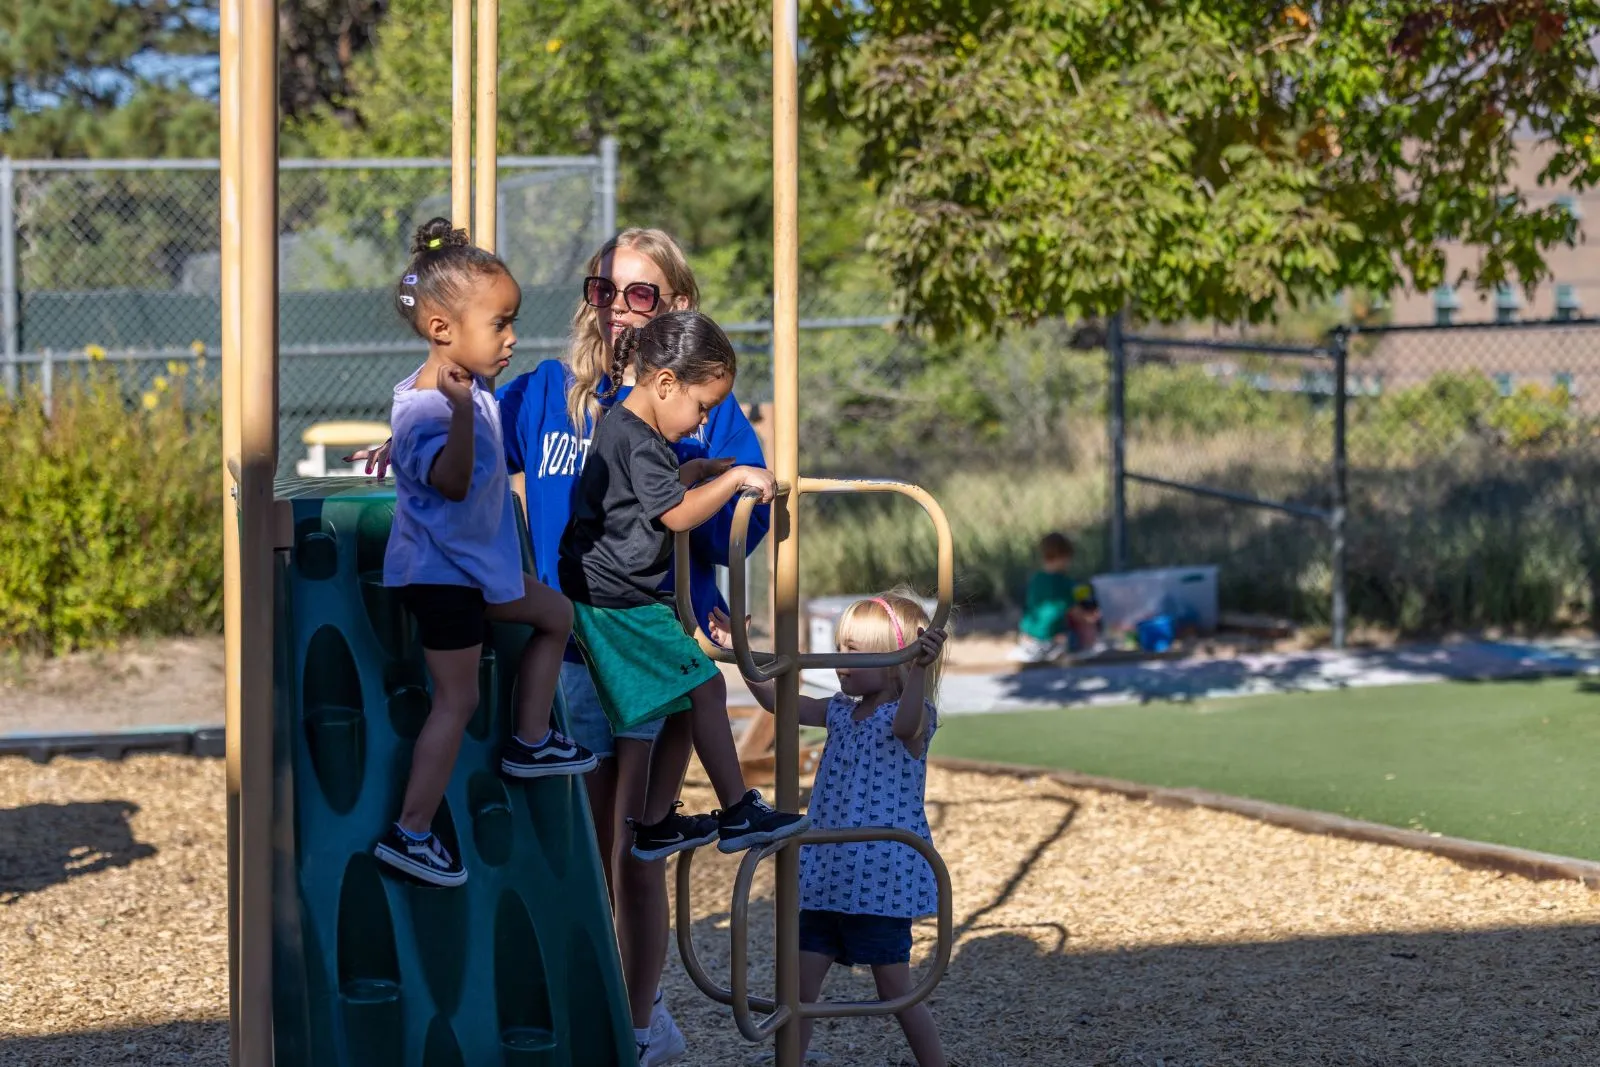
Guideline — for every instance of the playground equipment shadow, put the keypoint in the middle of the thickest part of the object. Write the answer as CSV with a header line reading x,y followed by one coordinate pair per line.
x,y
1092,929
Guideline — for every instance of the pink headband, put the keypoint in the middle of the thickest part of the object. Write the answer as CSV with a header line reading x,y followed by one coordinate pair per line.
x,y
899,634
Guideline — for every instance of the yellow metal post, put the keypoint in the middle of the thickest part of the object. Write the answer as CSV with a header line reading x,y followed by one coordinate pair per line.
x,y
461,114
483,225
256,250
785,510
228,61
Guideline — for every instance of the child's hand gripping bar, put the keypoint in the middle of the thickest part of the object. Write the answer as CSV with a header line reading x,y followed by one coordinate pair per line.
x,y
750,663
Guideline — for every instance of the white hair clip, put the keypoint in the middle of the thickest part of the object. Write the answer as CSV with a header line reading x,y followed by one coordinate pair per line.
x,y
408,301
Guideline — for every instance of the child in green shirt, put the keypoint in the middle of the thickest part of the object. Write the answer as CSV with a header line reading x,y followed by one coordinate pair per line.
x,y
1059,613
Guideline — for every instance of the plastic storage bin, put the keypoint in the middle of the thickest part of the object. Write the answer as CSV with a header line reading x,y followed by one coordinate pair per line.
x,y
1187,594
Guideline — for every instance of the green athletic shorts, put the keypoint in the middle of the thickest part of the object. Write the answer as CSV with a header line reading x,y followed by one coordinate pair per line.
x,y
643,664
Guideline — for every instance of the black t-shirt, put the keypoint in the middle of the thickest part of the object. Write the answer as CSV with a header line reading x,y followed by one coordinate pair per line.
x,y
615,551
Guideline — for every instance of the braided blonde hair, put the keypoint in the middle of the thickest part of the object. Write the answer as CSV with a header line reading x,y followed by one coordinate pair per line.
x,y
589,355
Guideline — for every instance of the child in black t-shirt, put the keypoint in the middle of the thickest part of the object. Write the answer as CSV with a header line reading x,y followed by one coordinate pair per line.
x,y
631,498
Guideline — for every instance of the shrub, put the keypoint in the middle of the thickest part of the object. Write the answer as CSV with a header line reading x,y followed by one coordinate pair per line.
x,y
111,515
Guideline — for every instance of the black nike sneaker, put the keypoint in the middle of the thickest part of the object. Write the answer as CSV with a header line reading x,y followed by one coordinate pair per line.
x,y
675,833
753,822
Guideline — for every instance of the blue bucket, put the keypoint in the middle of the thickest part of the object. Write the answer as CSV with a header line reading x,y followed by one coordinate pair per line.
x,y
1155,633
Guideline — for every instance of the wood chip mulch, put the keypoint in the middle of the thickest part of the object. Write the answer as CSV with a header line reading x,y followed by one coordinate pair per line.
x,y
1092,930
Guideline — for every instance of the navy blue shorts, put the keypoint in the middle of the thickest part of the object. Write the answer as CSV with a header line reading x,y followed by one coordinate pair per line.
x,y
856,940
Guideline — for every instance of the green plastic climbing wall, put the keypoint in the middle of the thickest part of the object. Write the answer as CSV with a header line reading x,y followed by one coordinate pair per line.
x,y
517,967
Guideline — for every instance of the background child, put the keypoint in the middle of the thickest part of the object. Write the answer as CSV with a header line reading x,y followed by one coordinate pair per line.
x,y
453,550
1060,613
857,901
632,496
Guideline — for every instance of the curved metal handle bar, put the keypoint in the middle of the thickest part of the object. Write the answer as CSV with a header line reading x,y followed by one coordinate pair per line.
x,y
946,567
750,663
738,996
691,962
685,605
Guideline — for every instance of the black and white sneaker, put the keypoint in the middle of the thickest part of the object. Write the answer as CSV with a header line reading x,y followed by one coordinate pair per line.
x,y
556,755
675,833
753,822
426,860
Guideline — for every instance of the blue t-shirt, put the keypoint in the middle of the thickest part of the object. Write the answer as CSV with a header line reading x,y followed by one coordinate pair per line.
x,y
438,541
542,444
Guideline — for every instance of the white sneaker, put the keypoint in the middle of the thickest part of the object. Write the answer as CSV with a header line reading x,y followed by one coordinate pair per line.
x,y
667,1043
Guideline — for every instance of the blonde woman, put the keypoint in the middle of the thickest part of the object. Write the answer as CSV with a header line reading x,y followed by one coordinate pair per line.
x,y
550,416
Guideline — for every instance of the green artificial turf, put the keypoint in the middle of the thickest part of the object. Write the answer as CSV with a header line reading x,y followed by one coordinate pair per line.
x,y
1508,762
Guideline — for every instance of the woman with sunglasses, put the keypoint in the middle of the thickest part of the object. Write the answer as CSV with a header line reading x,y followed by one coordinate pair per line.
x,y
549,415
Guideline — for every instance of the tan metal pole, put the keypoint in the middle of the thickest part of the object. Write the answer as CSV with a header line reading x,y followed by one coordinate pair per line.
x,y
228,62
786,465
483,233
461,114
258,461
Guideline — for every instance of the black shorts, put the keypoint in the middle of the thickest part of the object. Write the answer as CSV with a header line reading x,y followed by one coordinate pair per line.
x,y
449,617
856,940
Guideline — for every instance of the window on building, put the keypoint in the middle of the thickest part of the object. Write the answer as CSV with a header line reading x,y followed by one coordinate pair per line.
x,y
1565,380
1502,383
1445,305
1567,303
1506,303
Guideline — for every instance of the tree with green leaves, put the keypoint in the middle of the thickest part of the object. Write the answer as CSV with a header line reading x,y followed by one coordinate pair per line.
x,y
1203,158
691,118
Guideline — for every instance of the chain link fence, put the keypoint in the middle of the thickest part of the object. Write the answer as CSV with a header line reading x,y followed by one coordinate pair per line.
x,y
119,261
1470,448
1471,454
1008,434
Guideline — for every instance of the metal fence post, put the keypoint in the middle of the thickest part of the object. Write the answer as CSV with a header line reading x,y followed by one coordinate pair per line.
x,y
47,381
9,322
1116,356
1338,513
608,188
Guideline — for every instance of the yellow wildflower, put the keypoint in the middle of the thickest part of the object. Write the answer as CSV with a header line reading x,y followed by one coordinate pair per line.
x,y
94,352
160,383
553,45
151,400
198,348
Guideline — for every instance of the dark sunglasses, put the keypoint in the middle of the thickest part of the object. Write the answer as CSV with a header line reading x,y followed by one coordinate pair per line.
x,y
642,297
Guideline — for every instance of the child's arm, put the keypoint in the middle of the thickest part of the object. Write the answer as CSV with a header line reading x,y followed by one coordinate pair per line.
x,y
813,711
452,467
911,717
701,503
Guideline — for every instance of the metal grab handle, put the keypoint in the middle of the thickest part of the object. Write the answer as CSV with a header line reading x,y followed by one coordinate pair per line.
x,y
946,568
756,666
691,962
751,663
738,996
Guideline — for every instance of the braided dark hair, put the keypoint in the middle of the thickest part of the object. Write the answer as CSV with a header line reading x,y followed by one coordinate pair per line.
x,y
443,263
687,343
